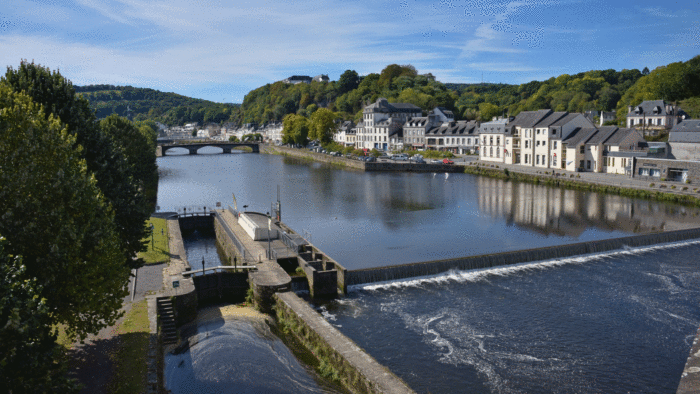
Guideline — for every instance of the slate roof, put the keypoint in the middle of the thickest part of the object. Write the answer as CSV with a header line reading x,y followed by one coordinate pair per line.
x,y
383,105
687,125
580,135
684,136
550,119
419,121
603,134
528,119
625,154
651,108
459,128
564,119
620,135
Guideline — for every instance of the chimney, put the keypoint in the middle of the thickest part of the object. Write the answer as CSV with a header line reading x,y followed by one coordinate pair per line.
x,y
629,108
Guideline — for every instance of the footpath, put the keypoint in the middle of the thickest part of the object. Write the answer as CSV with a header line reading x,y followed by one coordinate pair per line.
x,y
91,361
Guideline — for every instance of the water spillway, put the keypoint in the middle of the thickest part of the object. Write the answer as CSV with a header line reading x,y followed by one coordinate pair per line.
x,y
614,322
398,272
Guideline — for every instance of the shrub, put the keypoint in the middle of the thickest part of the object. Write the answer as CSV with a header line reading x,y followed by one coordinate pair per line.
x,y
684,188
673,186
652,184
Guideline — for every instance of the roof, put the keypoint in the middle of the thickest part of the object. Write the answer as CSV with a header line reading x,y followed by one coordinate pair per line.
x,y
684,136
459,128
625,153
564,119
687,125
620,135
652,108
382,105
550,119
529,119
418,121
603,134
580,135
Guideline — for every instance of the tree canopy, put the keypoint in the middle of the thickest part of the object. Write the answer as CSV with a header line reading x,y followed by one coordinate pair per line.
x,y
55,216
104,157
29,353
295,129
322,125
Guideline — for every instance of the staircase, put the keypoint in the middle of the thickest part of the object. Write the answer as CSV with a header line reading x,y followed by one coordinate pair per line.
x,y
166,314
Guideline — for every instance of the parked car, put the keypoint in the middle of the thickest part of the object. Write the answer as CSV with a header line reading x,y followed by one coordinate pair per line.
x,y
447,161
370,159
436,161
418,160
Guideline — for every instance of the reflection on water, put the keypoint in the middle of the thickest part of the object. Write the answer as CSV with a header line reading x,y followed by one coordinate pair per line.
x,y
236,356
377,219
612,323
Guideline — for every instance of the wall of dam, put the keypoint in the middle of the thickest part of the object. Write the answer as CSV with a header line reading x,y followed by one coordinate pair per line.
x,y
396,272
356,370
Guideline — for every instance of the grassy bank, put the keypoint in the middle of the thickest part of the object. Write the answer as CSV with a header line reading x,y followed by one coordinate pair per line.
x,y
571,183
158,249
129,374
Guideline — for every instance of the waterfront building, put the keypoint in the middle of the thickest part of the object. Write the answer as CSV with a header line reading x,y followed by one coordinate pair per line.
x,y
684,140
653,116
608,149
382,120
345,134
458,137
492,145
549,134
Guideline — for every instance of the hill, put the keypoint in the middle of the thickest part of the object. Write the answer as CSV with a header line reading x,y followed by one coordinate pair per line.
x,y
150,104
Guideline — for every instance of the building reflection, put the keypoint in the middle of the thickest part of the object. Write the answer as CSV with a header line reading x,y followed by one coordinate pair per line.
x,y
550,210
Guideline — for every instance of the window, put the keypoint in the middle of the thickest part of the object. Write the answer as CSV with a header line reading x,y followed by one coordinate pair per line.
x,y
491,152
527,143
554,144
554,161
537,157
491,140
537,143
498,140
581,150
538,131
588,164
580,164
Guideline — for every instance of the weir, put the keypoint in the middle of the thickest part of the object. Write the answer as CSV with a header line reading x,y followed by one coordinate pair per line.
x,y
396,272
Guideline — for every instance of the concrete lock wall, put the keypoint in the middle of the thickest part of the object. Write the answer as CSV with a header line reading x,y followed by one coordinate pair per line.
x,y
396,272
255,231
227,245
184,297
357,370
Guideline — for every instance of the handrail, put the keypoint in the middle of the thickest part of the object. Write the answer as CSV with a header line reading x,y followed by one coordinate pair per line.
x,y
241,248
220,267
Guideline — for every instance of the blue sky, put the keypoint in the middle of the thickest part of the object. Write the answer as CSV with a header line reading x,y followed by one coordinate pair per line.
x,y
219,50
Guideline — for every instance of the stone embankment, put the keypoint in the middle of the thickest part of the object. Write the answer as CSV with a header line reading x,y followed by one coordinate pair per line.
x,y
357,370
361,165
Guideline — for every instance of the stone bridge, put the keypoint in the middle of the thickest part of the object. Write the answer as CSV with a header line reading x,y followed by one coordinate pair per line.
x,y
193,148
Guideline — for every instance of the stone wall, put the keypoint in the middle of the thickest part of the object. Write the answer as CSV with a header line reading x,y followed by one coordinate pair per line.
x,y
357,370
396,272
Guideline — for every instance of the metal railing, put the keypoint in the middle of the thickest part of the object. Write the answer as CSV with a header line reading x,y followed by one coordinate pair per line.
x,y
220,268
239,246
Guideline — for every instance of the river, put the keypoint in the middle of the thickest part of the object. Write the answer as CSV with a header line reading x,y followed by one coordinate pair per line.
x,y
617,322
375,219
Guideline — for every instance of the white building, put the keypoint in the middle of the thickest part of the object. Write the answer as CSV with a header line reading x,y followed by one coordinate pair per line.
x,y
382,120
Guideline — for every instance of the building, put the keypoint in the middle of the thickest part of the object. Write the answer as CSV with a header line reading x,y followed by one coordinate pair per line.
x,y
653,116
549,134
492,136
295,79
684,140
382,120
607,149
458,137
345,134
520,147
321,78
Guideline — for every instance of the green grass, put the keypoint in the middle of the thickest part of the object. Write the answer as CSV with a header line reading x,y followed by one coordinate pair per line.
x,y
129,374
158,249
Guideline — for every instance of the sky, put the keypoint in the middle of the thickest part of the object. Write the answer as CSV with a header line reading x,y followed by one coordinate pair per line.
x,y
220,50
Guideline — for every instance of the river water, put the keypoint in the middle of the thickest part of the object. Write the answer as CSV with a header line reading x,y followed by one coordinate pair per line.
x,y
618,322
614,323
376,219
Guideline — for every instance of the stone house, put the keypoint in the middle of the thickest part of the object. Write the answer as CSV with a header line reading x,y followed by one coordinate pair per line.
x,y
381,120
684,140
492,141
653,116
458,137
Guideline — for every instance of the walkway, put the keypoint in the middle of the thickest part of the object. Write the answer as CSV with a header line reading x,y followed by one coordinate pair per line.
x,y
595,178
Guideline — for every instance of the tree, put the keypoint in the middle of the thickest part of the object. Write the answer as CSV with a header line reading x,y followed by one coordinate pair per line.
x,y
295,129
56,217
322,125
349,80
104,159
29,354
645,71
488,111
233,138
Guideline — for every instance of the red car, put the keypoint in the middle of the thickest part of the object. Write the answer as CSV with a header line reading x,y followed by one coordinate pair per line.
x,y
447,161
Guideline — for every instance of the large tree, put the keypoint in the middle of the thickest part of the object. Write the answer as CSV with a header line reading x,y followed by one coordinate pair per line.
x,y
322,125
295,129
55,216
349,80
104,158
30,358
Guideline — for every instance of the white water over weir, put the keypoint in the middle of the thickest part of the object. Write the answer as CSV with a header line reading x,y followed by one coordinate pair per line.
x,y
397,272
